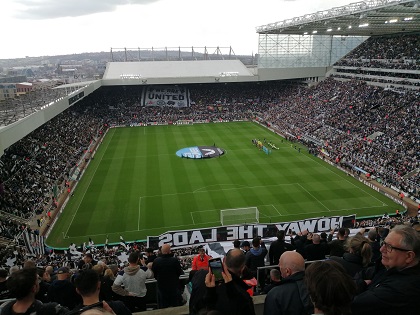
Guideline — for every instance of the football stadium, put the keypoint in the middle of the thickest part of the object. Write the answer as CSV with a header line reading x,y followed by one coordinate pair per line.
x,y
321,135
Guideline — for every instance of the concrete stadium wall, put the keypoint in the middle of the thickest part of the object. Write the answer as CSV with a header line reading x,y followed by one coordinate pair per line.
x,y
183,310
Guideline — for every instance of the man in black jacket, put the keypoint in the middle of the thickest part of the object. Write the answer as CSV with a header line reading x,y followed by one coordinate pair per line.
x,y
229,297
167,269
63,290
278,247
291,296
396,288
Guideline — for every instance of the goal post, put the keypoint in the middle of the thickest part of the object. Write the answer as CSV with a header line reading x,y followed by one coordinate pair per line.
x,y
239,216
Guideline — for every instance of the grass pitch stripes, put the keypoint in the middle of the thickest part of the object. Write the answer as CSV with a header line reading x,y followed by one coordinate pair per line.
x,y
137,186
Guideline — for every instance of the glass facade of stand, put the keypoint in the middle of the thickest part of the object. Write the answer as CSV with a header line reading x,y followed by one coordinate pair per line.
x,y
297,51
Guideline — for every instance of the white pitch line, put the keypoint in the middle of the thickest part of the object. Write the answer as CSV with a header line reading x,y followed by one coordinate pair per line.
x,y
83,196
138,221
342,178
192,217
276,210
313,196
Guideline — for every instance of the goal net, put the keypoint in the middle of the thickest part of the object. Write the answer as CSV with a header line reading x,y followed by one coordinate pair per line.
x,y
239,216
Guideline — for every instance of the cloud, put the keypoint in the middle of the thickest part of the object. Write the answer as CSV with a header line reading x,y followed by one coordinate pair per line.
x,y
52,9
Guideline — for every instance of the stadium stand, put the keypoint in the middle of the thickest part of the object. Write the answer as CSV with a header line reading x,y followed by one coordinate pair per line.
x,y
355,123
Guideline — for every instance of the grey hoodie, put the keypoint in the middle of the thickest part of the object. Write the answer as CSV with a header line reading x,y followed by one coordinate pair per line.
x,y
134,281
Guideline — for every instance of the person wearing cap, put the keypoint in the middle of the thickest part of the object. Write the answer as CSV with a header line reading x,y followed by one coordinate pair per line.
x,y
63,291
246,246
201,261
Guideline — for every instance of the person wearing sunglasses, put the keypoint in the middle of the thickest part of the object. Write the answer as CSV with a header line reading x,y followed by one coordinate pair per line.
x,y
396,288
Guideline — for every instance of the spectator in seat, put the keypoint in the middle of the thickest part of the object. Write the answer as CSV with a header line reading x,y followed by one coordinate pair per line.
x,y
23,285
336,247
87,262
246,246
88,285
256,258
315,250
278,247
358,254
131,283
230,296
290,297
275,280
150,254
394,289
63,291
167,269
201,261
330,288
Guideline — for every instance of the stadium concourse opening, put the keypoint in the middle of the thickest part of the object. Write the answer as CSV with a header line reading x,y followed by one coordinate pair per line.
x,y
200,152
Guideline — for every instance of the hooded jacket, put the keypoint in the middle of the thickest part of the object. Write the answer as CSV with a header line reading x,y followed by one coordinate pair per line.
x,y
256,257
134,281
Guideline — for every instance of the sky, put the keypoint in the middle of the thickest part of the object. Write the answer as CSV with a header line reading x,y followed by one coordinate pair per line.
x,y
53,27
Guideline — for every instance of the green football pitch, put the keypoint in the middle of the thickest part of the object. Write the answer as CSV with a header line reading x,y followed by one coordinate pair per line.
x,y
136,186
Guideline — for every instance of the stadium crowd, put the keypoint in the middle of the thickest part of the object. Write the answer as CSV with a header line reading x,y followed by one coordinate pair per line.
x,y
387,255
356,125
385,52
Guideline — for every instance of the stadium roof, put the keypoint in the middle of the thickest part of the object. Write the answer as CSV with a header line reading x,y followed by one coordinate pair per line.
x,y
175,69
365,18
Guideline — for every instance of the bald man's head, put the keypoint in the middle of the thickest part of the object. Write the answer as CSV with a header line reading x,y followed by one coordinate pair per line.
x,y
235,261
316,239
290,263
166,249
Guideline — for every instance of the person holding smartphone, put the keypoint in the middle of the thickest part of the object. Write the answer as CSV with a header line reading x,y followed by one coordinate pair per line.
x,y
223,290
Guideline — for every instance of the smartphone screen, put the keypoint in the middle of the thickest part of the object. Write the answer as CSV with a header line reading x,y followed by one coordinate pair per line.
x,y
216,268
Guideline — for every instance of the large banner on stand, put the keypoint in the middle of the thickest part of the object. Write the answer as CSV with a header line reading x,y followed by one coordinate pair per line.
x,y
166,95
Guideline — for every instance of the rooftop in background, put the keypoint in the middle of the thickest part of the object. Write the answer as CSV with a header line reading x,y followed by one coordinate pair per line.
x,y
366,18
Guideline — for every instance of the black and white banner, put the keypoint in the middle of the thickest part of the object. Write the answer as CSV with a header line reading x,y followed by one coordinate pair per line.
x,y
234,232
166,95
34,243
